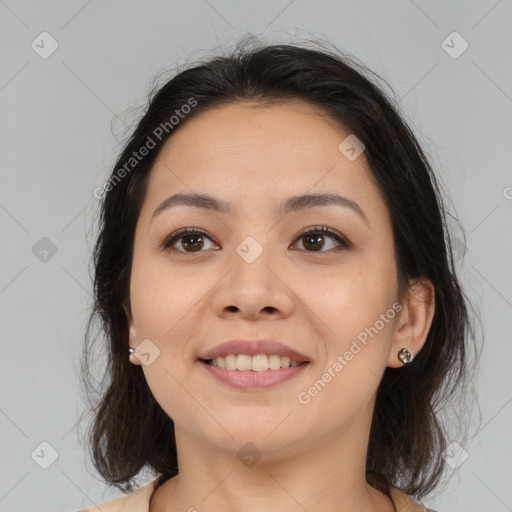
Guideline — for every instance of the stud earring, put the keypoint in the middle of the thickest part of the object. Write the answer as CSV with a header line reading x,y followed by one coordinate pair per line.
x,y
131,351
405,356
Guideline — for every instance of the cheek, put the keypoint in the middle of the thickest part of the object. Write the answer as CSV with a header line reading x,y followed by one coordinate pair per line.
x,y
357,353
360,312
160,296
354,300
161,299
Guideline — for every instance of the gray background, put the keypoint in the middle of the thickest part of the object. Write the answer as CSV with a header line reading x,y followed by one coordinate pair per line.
x,y
62,122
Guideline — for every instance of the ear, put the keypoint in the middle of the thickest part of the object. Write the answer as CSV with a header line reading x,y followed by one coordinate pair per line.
x,y
132,334
413,324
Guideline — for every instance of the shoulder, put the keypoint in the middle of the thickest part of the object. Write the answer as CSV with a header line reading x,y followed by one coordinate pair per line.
x,y
137,501
405,503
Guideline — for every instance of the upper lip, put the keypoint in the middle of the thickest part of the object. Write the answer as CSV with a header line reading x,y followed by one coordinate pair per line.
x,y
253,348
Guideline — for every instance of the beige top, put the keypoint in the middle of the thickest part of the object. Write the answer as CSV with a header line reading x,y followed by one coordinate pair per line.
x,y
138,501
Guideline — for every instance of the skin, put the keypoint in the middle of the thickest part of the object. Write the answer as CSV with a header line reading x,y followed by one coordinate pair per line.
x,y
313,455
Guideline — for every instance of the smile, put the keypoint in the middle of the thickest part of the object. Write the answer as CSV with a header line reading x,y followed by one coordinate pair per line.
x,y
245,372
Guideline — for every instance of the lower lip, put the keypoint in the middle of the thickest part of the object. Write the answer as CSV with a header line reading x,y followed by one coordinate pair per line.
x,y
248,379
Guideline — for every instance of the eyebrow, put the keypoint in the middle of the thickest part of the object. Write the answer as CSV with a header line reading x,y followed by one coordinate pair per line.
x,y
292,204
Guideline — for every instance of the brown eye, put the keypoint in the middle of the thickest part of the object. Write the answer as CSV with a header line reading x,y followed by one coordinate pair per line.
x,y
314,240
189,240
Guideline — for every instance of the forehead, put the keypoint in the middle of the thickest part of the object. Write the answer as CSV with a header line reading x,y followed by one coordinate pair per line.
x,y
253,152
286,130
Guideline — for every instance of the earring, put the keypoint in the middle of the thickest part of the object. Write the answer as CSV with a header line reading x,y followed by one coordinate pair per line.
x,y
405,356
131,351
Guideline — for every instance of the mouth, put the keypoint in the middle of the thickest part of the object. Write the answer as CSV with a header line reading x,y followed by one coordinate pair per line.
x,y
252,373
253,364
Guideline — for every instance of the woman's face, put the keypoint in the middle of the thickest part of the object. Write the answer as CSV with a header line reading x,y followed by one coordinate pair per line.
x,y
253,276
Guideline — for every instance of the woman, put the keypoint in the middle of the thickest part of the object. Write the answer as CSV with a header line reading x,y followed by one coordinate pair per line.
x,y
280,302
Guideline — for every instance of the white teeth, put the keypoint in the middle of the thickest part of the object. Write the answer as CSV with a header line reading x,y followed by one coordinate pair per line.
x,y
230,362
258,363
243,362
274,362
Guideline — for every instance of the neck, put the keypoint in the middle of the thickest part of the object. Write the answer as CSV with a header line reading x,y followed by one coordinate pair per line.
x,y
327,475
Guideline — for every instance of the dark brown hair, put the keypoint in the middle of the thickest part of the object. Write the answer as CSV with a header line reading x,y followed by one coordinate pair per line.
x,y
130,431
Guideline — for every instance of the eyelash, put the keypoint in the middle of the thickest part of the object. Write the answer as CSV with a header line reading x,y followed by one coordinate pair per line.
x,y
166,244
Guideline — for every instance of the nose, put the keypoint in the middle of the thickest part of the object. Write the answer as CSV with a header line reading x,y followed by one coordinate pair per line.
x,y
253,291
